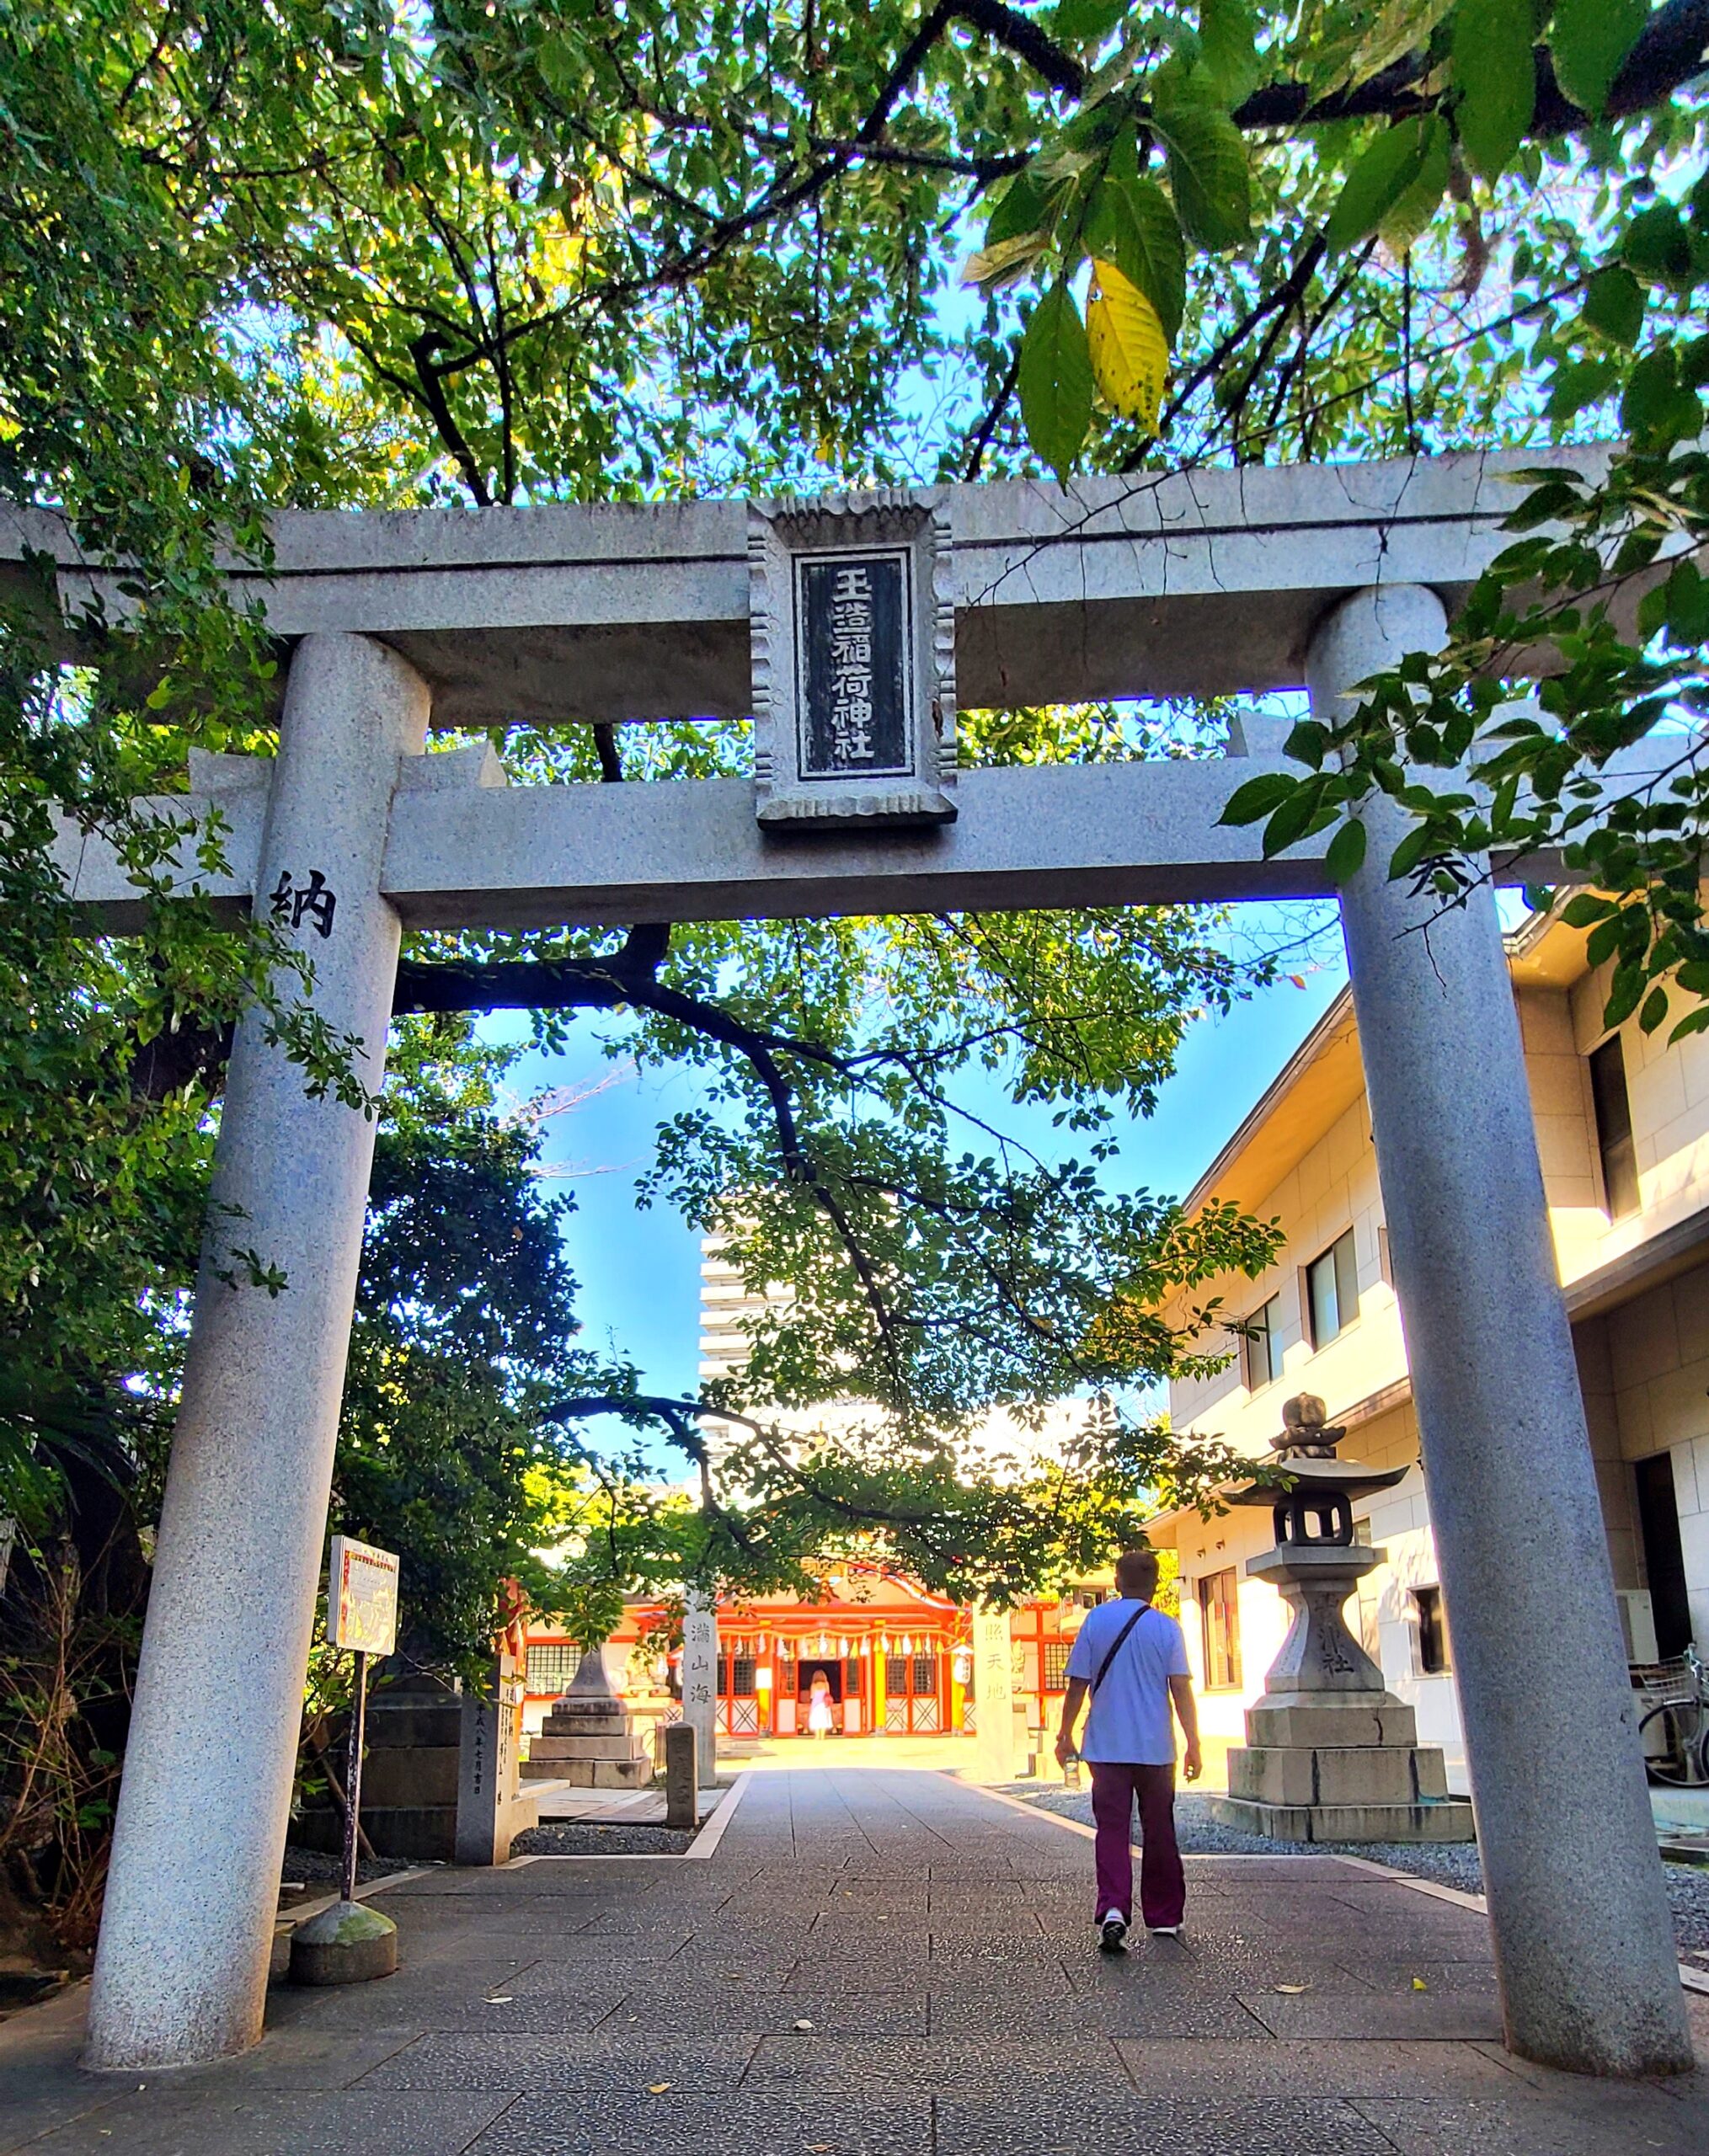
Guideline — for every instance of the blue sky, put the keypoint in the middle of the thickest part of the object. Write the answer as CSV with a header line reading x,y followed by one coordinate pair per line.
x,y
639,1271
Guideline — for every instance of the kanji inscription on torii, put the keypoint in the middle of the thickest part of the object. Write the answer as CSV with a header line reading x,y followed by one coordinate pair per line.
x,y
853,634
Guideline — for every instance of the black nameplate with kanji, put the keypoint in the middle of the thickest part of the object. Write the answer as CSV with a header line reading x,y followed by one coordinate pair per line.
x,y
852,632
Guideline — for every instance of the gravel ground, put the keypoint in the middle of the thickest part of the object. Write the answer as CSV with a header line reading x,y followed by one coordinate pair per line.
x,y
318,1868
1453,1864
567,1838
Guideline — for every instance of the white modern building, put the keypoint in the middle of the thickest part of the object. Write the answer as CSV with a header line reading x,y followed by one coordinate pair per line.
x,y
1622,1121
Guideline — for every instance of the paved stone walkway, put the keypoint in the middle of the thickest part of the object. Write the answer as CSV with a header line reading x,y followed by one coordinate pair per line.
x,y
872,1964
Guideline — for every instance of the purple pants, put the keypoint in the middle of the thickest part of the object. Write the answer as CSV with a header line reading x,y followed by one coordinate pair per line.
x,y
1115,1786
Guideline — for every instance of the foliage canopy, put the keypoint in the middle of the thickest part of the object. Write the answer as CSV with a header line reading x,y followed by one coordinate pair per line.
x,y
337,252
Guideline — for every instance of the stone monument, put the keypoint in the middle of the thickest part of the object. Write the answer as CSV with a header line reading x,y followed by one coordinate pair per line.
x,y
588,1738
1331,1754
492,1808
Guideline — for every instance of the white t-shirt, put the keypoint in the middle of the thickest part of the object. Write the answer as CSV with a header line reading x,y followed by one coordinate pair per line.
x,y
1128,1719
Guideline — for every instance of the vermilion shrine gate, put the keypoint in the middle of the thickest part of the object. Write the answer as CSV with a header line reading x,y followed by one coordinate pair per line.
x,y
849,629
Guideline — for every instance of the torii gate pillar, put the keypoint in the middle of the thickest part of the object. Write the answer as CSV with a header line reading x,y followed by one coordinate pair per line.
x,y
181,1966
1584,1948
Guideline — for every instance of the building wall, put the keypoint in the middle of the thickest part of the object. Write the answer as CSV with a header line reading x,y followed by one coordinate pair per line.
x,y
1644,1364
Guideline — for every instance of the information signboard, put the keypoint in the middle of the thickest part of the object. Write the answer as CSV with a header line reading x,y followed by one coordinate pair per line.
x,y
362,1604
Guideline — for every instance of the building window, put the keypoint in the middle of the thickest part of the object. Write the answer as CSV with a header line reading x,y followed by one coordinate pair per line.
x,y
1219,1610
1432,1618
1331,1291
1613,1140
1261,1346
1664,1552
551,1664
1056,1654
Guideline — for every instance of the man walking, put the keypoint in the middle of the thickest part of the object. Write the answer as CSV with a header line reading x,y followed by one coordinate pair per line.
x,y
1131,1660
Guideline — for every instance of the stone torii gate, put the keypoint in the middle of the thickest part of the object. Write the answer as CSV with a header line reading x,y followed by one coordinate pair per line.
x,y
1225,581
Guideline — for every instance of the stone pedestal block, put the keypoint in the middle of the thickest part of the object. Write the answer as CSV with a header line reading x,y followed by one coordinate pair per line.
x,y
1330,1755
1449,1822
681,1776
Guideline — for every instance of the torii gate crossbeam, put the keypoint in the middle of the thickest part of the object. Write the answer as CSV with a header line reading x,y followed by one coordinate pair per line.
x,y
1210,582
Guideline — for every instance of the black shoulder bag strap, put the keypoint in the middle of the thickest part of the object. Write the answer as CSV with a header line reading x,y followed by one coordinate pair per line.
x,y
1119,1643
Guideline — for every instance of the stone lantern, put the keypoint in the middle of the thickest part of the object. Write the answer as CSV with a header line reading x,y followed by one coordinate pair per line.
x,y
1331,1754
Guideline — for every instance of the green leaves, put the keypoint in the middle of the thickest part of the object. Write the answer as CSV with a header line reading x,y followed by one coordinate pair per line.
x,y
1227,48
1408,215
1346,854
1207,166
1256,798
1589,41
1400,177
1055,380
1657,246
1657,404
1494,77
1614,305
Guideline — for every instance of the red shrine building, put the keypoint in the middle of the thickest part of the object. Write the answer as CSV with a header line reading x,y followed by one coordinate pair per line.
x,y
898,1660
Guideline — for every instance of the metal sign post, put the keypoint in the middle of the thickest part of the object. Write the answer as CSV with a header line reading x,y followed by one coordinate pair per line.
x,y
353,1775
348,1943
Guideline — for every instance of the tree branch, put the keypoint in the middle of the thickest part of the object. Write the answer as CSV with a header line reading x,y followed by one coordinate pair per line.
x,y
1668,52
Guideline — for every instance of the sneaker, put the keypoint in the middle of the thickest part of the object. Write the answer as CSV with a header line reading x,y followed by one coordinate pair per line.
x,y
1112,1933
1164,1931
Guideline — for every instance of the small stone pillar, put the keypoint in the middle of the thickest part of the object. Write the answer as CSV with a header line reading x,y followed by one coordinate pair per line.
x,y
994,1695
1331,1754
682,1776
700,1674
587,1738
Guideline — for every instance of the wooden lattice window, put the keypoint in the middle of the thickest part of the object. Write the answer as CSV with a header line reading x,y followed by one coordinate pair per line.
x,y
551,1664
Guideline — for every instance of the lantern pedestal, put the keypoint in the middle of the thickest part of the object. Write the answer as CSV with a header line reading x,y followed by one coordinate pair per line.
x,y
1331,1754
588,1738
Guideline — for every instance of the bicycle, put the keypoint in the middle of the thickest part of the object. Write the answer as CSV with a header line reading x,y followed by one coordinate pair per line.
x,y
1674,1730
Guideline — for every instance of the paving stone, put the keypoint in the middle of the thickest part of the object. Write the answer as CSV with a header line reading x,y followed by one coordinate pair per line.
x,y
177,2116
1141,2015
1182,2128
939,2063
1216,2069
1351,2017
740,2124
1407,1975
36,2097
576,1977
832,2013
528,2063
955,1949
1637,2123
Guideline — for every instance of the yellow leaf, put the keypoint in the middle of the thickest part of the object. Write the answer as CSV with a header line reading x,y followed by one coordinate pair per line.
x,y
1129,352
657,2088
1419,1984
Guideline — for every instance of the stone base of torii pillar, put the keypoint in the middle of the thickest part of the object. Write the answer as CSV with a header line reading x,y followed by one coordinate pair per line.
x,y
1331,1754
